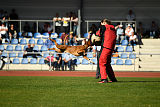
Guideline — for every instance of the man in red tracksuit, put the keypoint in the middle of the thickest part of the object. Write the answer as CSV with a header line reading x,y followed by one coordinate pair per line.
x,y
108,34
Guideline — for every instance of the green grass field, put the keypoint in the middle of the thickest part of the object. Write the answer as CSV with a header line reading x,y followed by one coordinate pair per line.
x,y
78,92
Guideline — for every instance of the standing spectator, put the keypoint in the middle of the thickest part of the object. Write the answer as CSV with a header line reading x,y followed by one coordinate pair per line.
x,y
66,23
132,40
12,32
129,32
1,13
57,20
140,33
93,29
50,60
74,20
14,16
154,33
26,29
131,16
3,31
63,37
34,28
120,34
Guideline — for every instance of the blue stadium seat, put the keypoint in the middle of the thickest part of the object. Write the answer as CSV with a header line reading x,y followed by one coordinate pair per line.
x,y
58,41
37,35
41,61
132,56
16,61
129,49
89,54
18,48
119,62
45,35
30,34
20,35
53,35
36,48
24,61
20,54
44,48
112,62
86,35
23,41
40,42
124,55
9,48
4,54
24,48
14,41
120,49
85,62
128,62
12,55
33,61
45,55
60,34
94,60
2,47
31,41
124,42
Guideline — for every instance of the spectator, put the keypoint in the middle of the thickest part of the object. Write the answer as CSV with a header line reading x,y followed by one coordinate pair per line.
x,y
3,60
48,42
115,53
93,29
120,34
1,13
132,40
154,33
45,28
66,23
63,37
131,16
74,20
57,20
12,32
67,60
34,28
129,32
14,16
3,32
71,39
50,60
140,33
28,52
58,61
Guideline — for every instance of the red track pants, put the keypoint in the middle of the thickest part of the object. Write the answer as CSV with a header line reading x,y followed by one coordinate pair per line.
x,y
105,66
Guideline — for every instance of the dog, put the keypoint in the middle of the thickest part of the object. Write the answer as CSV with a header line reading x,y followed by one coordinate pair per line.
x,y
74,50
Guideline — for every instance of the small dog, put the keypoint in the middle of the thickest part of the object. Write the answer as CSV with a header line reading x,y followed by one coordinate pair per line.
x,y
74,50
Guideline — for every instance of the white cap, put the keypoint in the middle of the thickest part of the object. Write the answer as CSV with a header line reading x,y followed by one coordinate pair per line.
x,y
120,25
129,25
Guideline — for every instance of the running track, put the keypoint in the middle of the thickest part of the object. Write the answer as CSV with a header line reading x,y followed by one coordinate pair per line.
x,y
77,73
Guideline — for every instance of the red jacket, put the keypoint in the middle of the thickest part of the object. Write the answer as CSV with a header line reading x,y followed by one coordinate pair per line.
x,y
109,37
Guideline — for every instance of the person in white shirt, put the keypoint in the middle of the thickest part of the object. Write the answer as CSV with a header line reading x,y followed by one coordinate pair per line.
x,y
57,20
132,40
120,34
129,32
67,60
66,23
3,31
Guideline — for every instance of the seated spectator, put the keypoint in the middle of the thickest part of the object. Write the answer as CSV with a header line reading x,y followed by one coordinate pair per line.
x,y
67,60
120,34
132,40
12,32
129,32
48,59
3,60
58,61
154,30
63,37
3,31
30,52
115,54
48,42
71,40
